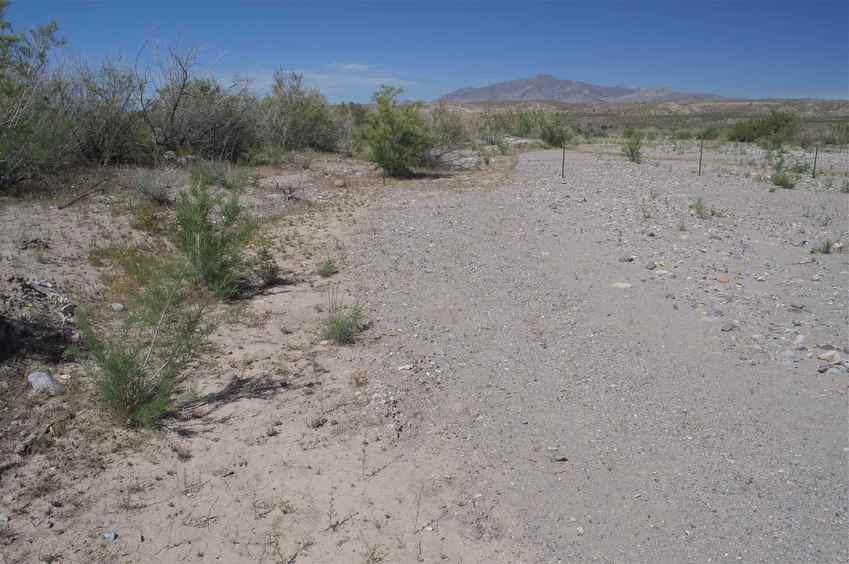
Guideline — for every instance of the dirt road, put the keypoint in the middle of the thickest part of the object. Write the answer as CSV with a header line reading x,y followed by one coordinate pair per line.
x,y
624,380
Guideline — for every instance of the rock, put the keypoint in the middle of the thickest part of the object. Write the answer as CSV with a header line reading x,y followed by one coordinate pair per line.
x,y
461,159
651,266
116,307
830,356
110,536
724,280
621,285
789,359
44,383
799,342
405,367
838,370
627,259
339,183
823,367
728,327
4,521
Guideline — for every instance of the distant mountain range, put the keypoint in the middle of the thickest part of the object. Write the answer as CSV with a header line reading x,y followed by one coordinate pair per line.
x,y
546,88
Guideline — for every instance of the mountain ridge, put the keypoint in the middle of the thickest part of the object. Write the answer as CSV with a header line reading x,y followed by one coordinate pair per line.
x,y
547,88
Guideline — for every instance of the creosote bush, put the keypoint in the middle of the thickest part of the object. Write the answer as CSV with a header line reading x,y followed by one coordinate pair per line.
x,y
212,235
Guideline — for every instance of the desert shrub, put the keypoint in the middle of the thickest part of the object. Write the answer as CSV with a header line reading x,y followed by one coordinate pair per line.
x,y
447,130
137,371
220,173
344,322
632,147
212,234
784,180
155,184
773,130
327,268
296,117
350,119
682,134
554,130
708,133
36,133
196,115
103,105
396,136
491,128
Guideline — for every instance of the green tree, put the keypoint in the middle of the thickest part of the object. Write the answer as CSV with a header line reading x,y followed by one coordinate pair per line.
x,y
397,136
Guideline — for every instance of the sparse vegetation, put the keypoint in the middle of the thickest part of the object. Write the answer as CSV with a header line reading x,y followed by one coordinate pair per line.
x,y
784,180
699,209
327,268
632,146
344,322
824,249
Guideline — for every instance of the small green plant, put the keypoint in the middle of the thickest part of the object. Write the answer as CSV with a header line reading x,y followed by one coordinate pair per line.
x,y
845,188
212,234
632,147
784,180
327,268
265,267
343,322
136,372
396,136
825,248
699,209
220,173
801,167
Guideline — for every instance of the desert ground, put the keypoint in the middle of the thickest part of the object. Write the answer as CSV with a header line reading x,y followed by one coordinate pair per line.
x,y
633,363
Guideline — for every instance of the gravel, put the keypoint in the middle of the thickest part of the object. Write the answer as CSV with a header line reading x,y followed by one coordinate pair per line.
x,y
686,441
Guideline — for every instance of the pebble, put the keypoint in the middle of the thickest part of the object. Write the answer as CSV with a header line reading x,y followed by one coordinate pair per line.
x,y
621,285
405,367
830,356
4,521
111,536
116,307
789,359
728,327
838,370
651,266
44,383
339,183
823,368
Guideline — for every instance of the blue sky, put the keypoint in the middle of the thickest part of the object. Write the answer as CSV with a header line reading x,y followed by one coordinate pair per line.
x,y
348,48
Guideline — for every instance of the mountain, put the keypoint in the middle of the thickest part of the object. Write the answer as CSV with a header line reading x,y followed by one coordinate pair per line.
x,y
546,88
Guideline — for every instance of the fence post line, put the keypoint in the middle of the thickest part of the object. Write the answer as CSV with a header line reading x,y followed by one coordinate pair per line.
x,y
563,163
701,150
816,154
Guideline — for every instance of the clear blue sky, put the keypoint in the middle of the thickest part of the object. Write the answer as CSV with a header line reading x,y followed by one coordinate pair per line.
x,y
347,48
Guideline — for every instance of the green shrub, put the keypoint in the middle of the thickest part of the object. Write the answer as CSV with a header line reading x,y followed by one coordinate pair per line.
x,y
327,268
772,131
344,323
212,235
36,131
784,180
632,148
137,371
396,136
708,134
554,130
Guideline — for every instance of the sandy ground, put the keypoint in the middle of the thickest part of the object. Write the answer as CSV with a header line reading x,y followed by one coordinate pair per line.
x,y
553,371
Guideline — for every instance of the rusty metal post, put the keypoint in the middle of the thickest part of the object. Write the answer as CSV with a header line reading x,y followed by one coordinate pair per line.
x,y
816,154
563,163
